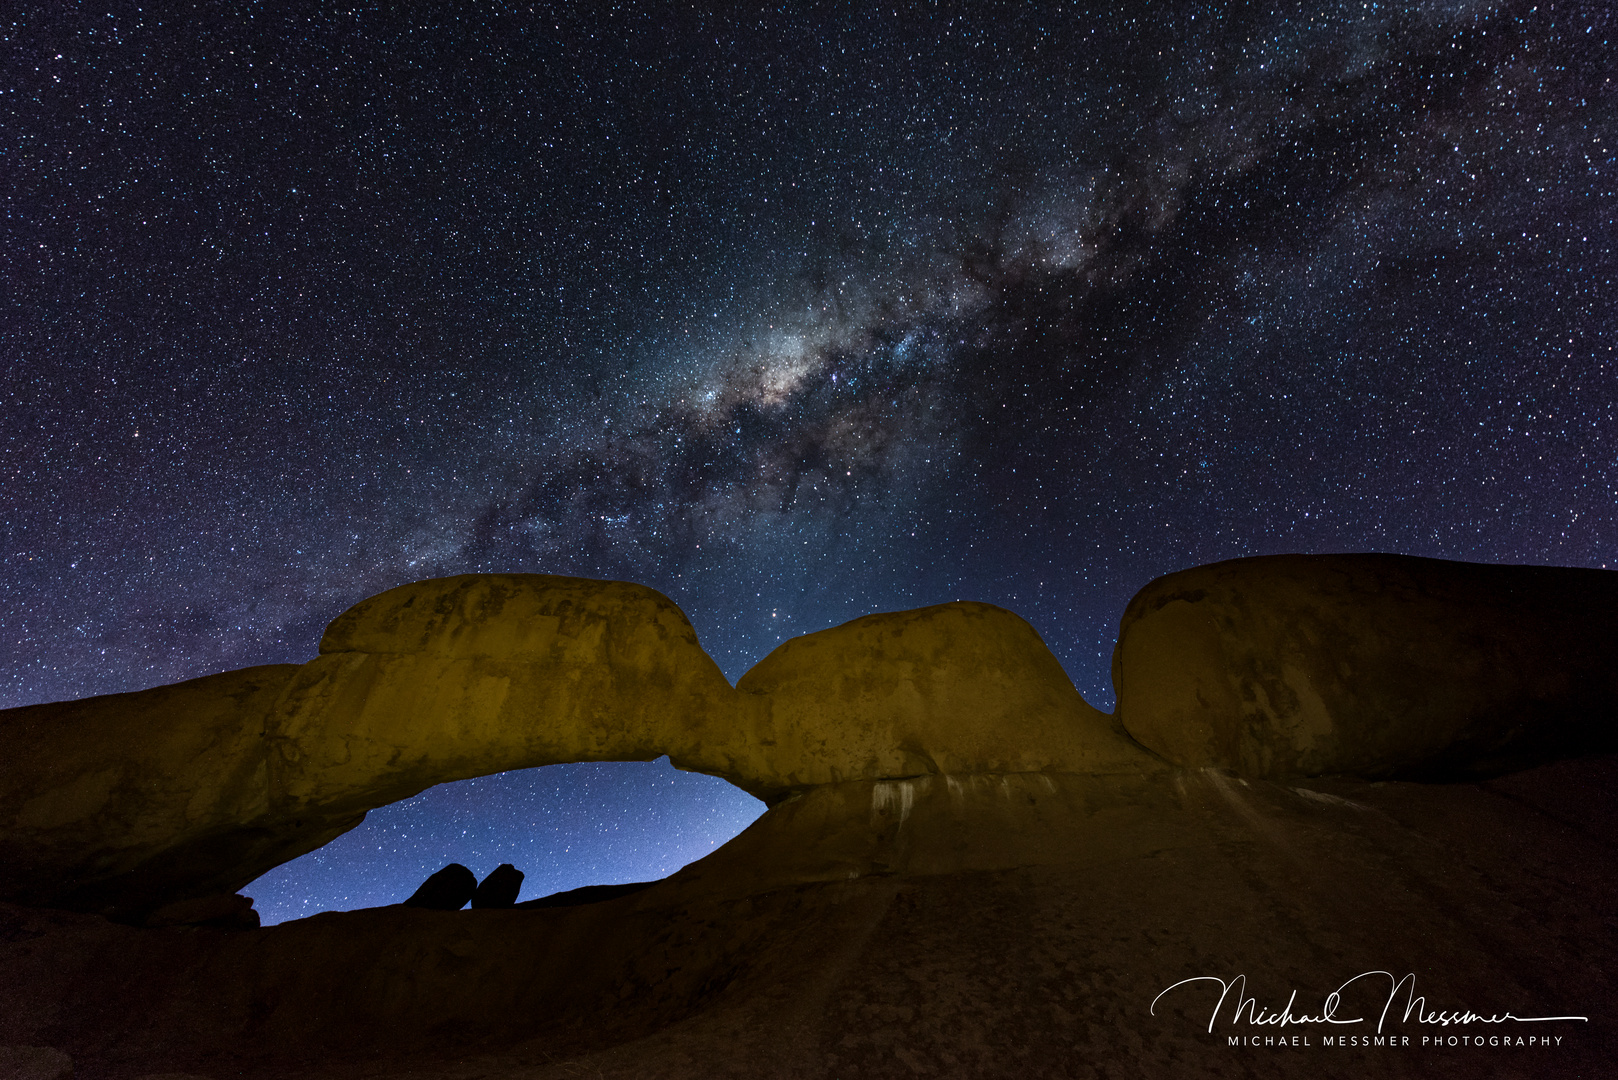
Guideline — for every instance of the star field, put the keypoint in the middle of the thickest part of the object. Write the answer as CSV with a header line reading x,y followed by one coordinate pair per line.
x,y
564,826
793,314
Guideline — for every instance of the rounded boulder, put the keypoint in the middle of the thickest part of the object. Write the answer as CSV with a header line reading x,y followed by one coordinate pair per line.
x,y
1370,665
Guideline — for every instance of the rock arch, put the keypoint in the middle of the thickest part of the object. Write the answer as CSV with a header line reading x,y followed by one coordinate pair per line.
x,y
128,801
1355,665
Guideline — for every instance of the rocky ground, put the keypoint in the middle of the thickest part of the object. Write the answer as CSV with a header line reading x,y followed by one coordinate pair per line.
x,y
825,942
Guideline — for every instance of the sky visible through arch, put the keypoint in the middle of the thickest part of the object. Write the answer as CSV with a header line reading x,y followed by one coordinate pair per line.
x,y
792,314
563,826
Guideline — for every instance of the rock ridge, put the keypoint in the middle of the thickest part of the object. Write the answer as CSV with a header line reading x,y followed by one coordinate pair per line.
x,y
1275,667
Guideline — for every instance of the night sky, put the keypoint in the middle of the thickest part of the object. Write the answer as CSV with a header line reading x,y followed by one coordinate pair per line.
x,y
793,315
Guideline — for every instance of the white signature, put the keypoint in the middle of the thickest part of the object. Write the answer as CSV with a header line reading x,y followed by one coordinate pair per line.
x,y
1415,1007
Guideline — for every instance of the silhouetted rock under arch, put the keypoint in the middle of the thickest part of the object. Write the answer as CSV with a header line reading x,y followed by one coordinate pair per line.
x,y
499,889
445,890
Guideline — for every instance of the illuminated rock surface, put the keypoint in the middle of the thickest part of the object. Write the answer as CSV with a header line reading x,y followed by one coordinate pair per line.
x,y
1370,665
136,799
948,689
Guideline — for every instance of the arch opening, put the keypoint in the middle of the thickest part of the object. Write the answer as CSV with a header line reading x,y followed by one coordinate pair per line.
x,y
563,826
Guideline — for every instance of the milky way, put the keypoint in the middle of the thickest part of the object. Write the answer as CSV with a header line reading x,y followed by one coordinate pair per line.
x,y
793,316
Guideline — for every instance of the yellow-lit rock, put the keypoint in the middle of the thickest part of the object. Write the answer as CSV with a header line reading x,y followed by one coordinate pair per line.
x,y
464,676
1369,665
126,798
1363,665
955,688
